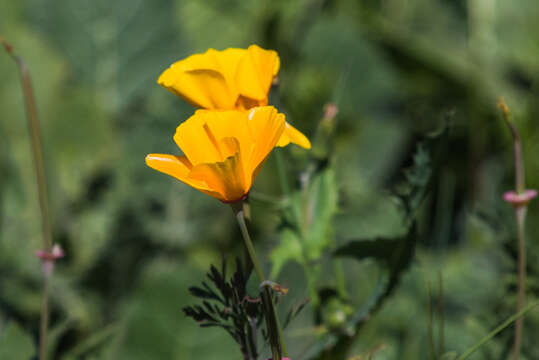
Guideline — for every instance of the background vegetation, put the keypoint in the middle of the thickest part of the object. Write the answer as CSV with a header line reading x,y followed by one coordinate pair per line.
x,y
136,240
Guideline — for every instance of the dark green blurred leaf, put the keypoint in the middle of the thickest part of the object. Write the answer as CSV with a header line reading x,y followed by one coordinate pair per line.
x,y
15,343
313,232
120,48
379,249
289,249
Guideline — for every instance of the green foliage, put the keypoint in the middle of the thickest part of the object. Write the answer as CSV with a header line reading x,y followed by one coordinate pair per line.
x,y
15,343
229,307
311,213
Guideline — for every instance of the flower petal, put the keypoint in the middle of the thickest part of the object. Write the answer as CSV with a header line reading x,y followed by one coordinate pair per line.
x,y
293,135
228,61
205,80
230,124
198,142
225,178
256,71
204,88
266,126
178,167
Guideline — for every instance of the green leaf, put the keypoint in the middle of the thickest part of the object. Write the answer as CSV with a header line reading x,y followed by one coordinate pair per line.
x,y
319,209
290,249
120,47
397,254
15,343
93,344
253,286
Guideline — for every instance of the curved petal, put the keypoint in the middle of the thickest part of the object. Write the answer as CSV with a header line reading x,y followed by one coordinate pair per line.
x,y
204,88
294,136
266,126
256,71
225,178
178,167
196,139
228,61
205,80
230,124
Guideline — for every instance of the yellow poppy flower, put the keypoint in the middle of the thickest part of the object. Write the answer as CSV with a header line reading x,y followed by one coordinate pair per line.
x,y
224,150
232,79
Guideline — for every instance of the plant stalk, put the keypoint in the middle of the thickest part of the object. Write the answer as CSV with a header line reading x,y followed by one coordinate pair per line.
x,y
430,324
37,152
35,137
520,216
441,310
278,346
44,317
520,213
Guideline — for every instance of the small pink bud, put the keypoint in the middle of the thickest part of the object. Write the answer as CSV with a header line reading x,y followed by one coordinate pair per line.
x,y
518,200
48,258
331,110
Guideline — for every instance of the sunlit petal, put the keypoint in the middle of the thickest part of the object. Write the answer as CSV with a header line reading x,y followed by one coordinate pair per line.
x,y
256,71
266,126
195,140
226,178
294,136
175,166
232,79
204,88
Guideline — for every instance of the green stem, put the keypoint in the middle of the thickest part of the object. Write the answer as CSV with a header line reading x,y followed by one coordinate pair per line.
x,y
341,279
518,159
494,332
520,216
37,152
441,310
44,318
431,323
35,137
278,346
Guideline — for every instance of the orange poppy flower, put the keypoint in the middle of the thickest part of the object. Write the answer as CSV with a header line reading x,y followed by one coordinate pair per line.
x,y
232,79
224,150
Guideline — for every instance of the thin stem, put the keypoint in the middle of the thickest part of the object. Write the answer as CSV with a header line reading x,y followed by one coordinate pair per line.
x,y
495,332
431,323
341,279
35,137
521,216
517,156
441,311
278,346
520,175
37,152
44,318
251,339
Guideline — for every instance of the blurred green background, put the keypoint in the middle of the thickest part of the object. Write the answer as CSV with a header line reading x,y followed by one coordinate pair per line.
x,y
136,240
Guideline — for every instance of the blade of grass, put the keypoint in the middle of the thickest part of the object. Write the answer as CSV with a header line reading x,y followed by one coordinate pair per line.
x,y
494,332
431,324
441,309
